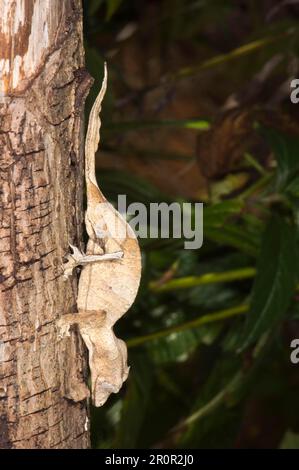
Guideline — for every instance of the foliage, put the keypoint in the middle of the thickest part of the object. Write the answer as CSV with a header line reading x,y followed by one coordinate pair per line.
x,y
209,334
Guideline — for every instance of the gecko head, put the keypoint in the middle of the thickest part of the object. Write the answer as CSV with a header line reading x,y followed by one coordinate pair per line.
x,y
112,381
102,391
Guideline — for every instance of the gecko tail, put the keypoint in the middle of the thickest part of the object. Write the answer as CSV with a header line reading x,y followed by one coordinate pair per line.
x,y
92,139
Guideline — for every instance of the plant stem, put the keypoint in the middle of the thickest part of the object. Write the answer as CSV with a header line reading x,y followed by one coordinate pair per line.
x,y
226,58
195,124
203,320
209,278
263,181
212,404
254,163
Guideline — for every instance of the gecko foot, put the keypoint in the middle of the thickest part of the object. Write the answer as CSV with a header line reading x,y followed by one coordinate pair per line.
x,y
79,258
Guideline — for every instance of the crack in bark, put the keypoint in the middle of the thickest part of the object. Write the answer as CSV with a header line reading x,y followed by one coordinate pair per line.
x,y
41,179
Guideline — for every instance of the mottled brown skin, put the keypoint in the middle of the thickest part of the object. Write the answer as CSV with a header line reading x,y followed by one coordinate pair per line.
x,y
107,289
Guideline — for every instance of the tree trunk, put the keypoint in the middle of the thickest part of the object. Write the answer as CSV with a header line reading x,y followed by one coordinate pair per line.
x,y
42,90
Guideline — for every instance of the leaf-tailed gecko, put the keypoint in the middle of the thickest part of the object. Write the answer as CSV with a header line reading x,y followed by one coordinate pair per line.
x,y
109,279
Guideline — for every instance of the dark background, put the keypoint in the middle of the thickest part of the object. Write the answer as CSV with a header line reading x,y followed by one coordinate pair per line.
x,y
198,109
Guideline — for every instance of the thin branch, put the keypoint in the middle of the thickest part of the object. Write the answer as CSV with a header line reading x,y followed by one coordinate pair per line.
x,y
203,320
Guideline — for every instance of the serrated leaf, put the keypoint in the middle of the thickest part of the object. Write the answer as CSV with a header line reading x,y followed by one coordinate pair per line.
x,y
275,281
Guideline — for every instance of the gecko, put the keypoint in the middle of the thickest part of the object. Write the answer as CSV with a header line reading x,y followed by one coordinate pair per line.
x,y
109,279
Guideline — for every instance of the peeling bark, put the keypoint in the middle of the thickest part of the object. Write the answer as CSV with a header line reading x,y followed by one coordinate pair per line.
x,y
42,90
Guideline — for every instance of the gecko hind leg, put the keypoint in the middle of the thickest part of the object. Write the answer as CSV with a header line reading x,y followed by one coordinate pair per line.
x,y
79,258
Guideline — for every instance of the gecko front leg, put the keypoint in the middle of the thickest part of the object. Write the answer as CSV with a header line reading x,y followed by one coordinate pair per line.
x,y
78,258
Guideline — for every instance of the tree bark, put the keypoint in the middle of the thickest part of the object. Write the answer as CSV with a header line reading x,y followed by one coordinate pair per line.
x,y
43,86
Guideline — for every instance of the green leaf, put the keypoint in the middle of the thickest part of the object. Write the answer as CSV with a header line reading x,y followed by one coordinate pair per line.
x,y
286,153
217,227
208,409
195,124
290,441
216,214
231,183
112,7
178,347
230,56
293,187
139,391
114,183
93,6
234,236
275,281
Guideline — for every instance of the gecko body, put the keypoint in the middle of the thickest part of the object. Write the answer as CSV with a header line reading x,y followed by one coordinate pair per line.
x,y
109,279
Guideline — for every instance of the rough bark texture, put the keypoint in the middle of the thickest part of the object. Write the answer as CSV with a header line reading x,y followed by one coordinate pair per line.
x,y
42,90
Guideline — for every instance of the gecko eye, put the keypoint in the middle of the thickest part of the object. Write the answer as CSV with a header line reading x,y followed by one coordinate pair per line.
x,y
108,387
